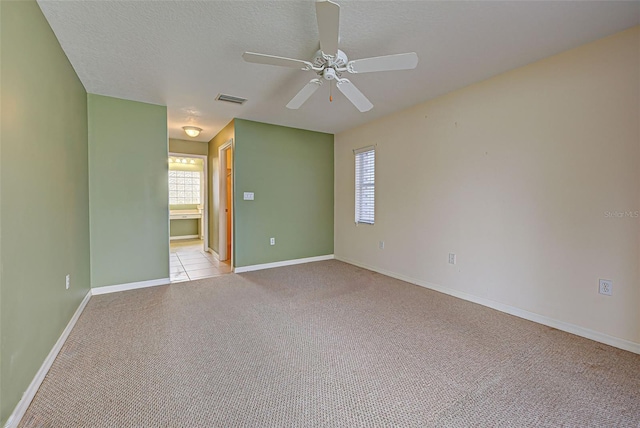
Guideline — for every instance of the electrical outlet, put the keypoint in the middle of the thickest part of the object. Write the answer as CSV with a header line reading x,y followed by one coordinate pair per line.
x,y
606,287
381,245
272,241
67,281
452,259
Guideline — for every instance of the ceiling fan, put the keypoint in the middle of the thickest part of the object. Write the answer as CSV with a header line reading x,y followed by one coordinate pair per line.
x,y
329,63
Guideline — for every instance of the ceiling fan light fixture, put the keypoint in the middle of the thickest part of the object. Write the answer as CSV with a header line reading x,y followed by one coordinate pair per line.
x,y
192,131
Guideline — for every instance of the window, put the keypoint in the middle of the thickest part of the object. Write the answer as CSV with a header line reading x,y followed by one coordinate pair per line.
x,y
184,187
365,184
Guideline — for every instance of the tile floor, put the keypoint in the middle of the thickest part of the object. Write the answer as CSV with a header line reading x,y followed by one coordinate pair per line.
x,y
188,260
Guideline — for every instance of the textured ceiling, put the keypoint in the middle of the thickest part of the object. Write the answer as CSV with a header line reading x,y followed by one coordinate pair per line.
x,y
183,53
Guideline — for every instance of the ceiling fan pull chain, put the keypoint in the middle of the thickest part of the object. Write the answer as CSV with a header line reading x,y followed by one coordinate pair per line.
x,y
330,92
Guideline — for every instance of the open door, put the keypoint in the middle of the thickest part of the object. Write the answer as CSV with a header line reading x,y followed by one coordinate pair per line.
x,y
229,186
225,158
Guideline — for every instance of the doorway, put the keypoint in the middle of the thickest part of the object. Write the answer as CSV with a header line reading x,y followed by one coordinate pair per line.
x,y
188,211
225,158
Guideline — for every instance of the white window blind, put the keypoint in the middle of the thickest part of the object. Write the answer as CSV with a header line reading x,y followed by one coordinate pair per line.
x,y
184,187
365,184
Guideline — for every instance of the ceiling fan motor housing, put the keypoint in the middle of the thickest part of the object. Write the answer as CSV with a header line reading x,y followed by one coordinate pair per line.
x,y
339,61
329,74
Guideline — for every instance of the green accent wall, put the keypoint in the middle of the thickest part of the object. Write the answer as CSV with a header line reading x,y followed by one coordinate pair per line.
x,y
291,173
129,185
227,133
183,207
44,199
188,147
184,227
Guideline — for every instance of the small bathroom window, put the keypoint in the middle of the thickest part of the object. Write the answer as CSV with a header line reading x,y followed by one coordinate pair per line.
x,y
184,187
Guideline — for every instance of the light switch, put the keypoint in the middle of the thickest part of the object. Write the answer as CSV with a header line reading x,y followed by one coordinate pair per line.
x,y
248,196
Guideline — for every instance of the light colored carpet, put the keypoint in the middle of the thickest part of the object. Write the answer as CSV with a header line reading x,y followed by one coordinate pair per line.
x,y
325,344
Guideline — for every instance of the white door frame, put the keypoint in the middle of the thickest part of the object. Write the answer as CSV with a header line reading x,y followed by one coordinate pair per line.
x,y
222,217
205,198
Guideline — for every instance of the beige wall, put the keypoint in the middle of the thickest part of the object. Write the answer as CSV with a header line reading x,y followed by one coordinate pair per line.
x,y
515,175
188,147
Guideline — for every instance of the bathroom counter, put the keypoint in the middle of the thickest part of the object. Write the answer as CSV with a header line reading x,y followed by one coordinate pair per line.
x,y
184,214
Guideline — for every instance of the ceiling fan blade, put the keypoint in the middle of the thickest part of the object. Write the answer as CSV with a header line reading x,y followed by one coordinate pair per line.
x,y
354,95
276,60
405,61
304,94
328,15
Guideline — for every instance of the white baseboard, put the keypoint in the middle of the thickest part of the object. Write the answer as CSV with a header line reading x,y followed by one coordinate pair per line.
x,y
282,263
617,342
129,286
178,237
28,395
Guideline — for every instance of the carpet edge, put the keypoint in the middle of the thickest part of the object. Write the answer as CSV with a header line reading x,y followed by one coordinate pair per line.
x,y
596,336
32,389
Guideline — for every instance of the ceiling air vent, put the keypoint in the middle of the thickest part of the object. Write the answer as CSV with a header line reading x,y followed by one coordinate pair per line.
x,y
230,99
